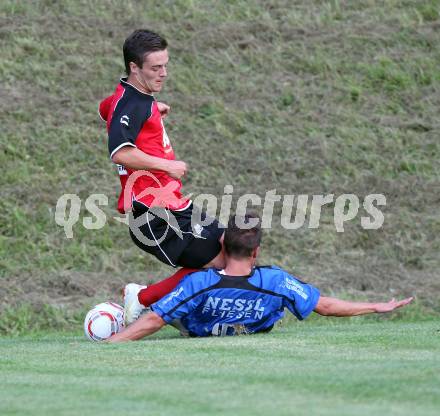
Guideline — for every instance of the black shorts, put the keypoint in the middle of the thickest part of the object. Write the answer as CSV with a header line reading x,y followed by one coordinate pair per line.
x,y
171,237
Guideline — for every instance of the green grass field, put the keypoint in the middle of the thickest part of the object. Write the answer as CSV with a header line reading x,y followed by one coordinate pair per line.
x,y
322,367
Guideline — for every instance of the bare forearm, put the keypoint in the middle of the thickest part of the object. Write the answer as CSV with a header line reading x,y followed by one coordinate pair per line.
x,y
336,307
136,159
144,326
133,158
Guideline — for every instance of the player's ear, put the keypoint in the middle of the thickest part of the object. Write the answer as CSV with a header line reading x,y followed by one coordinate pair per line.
x,y
134,69
255,252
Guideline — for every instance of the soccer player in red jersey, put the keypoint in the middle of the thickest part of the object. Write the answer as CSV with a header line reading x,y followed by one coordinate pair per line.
x,y
162,220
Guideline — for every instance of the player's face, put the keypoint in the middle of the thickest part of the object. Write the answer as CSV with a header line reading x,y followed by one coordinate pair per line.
x,y
153,73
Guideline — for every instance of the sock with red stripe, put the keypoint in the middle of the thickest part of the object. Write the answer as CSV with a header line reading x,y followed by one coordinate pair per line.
x,y
158,290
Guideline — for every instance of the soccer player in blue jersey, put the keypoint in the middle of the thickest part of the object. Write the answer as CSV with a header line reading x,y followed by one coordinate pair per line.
x,y
243,297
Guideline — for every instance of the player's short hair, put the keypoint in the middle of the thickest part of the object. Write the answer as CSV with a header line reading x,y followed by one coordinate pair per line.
x,y
241,237
140,43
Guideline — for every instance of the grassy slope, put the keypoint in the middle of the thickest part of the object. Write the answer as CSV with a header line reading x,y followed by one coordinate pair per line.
x,y
315,97
340,368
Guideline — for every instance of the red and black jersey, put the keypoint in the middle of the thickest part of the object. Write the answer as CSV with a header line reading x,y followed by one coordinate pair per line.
x,y
133,119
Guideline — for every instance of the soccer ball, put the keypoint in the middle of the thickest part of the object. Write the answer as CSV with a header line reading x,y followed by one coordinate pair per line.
x,y
103,321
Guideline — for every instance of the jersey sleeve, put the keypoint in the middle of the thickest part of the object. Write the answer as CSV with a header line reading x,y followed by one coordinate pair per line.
x,y
300,298
127,121
184,299
105,106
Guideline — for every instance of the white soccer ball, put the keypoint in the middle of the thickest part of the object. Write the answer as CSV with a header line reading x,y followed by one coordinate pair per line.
x,y
103,321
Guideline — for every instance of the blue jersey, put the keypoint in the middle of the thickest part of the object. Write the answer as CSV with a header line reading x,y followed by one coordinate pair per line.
x,y
208,303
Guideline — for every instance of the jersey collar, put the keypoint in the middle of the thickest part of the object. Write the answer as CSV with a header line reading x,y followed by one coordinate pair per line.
x,y
223,274
123,81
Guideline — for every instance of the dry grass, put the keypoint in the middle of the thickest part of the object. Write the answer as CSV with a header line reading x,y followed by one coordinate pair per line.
x,y
310,97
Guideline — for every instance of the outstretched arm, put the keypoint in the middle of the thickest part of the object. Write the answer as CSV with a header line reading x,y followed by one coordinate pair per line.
x,y
336,307
146,325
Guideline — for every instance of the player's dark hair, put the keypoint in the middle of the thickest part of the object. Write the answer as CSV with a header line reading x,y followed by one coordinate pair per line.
x,y
139,43
241,237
